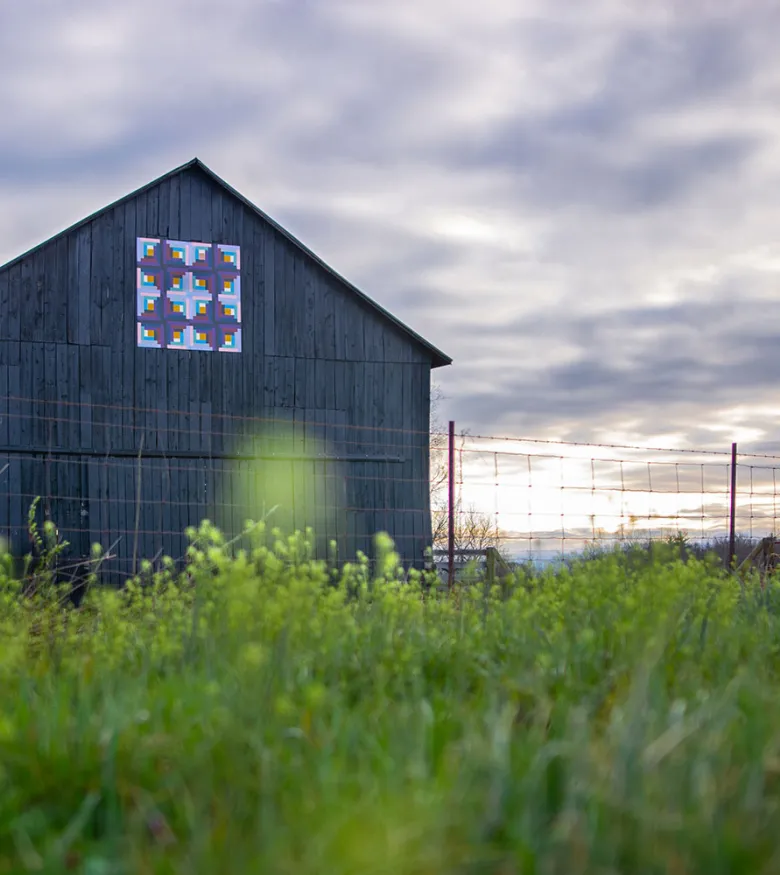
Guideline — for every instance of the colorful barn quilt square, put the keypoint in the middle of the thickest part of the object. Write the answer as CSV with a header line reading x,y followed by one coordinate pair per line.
x,y
150,335
202,309
148,251
176,306
229,309
228,338
177,334
188,295
228,257
150,279
149,306
202,282
200,256
175,253
178,280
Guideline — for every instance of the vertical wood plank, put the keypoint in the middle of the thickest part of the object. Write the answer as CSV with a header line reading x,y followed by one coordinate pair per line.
x,y
161,403
51,423
252,343
354,334
38,424
14,392
104,532
5,500
4,400
183,399
111,521
103,428
282,343
14,405
374,340
342,325
12,331
81,290
37,302
141,205
151,399
29,295
217,226
164,210
100,270
155,515
16,508
202,227
152,211
174,209
173,410
296,282
62,411
185,212
53,291
193,397
74,299
269,293
325,306
166,526
5,291
61,293
27,404
79,406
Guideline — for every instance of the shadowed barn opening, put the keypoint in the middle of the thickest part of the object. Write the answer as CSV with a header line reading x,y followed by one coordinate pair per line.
x,y
178,356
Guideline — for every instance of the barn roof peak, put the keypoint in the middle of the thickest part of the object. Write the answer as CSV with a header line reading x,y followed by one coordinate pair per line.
x,y
438,358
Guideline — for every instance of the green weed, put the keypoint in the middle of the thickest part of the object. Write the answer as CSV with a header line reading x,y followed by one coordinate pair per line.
x,y
256,714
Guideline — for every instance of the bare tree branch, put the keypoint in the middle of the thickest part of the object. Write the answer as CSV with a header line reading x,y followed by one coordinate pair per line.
x,y
474,530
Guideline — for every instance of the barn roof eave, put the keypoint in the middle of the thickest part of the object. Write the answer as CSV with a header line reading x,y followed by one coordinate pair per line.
x,y
438,358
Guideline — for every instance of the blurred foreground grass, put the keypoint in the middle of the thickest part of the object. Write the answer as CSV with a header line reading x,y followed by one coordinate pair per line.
x,y
258,716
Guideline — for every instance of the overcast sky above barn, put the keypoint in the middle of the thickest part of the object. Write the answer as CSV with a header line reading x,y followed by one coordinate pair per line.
x,y
578,201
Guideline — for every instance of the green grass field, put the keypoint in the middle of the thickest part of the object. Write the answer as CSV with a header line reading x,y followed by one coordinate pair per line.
x,y
260,717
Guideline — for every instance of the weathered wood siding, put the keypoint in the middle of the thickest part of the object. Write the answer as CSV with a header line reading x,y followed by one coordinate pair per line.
x,y
81,399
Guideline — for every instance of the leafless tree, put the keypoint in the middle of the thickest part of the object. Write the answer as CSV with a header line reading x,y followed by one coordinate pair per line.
x,y
474,530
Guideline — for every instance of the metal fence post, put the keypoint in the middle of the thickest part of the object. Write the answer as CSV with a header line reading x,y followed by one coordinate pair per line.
x,y
451,508
733,509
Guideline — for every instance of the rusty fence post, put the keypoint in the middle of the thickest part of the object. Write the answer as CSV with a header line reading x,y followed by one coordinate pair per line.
x,y
451,508
733,509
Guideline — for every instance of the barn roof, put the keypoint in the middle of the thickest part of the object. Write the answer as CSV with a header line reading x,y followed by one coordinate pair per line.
x,y
438,358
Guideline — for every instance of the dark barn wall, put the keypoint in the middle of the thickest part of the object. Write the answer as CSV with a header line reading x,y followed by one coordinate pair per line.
x,y
312,352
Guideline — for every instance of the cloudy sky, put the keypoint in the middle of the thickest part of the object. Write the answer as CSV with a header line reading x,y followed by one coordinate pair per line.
x,y
578,200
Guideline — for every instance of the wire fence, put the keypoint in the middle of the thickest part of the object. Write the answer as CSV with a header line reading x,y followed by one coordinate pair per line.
x,y
134,479
541,499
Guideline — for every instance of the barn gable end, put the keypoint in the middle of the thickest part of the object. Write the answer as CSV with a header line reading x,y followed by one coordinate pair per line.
x,y
316,354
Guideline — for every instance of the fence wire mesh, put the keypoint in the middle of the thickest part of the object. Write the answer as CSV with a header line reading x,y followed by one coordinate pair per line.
x,y
133,479
541,499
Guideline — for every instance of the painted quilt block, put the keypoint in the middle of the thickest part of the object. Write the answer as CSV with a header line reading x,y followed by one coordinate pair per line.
x,y
188,295
148,307
177,335
175,253
228,309
150,336
202,309
148,251
176,306
228,257
228,338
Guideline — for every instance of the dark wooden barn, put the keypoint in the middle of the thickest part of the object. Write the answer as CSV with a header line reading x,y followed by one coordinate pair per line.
x,y
179,356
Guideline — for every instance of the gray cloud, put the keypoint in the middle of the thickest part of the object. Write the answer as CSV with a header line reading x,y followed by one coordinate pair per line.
x,y
578,204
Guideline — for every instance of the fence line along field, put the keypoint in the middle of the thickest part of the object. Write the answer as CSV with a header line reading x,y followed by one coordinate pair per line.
x,y
538,500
